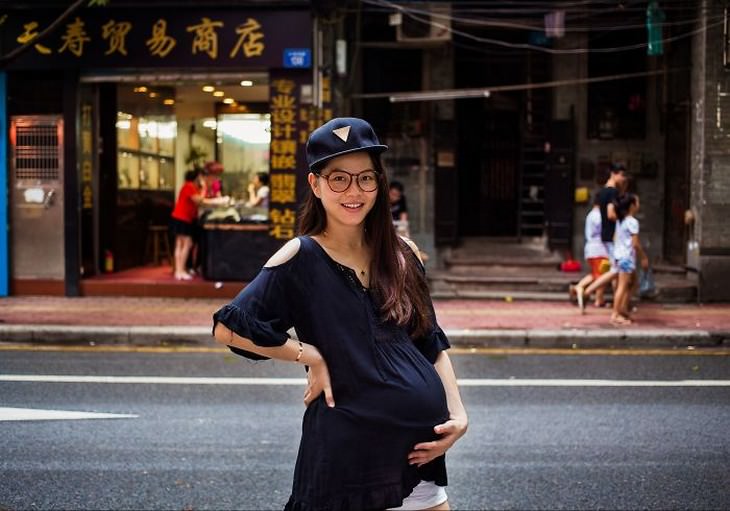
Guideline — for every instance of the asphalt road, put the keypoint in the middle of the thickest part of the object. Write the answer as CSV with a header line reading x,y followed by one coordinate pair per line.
x,y
535,440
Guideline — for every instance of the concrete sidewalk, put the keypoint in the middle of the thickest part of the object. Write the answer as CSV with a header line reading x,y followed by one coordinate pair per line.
x,y
478,323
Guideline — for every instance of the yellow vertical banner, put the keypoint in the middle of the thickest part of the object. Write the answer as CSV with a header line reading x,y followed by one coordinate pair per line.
x,y
87,156
286,154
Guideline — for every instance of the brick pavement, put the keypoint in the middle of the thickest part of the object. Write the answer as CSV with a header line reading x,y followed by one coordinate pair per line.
x,y
452,314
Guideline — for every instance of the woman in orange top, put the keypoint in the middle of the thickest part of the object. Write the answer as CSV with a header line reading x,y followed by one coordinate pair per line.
x,y
184,221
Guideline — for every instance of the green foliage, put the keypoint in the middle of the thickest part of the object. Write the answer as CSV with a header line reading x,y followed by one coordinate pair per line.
x,y
196,156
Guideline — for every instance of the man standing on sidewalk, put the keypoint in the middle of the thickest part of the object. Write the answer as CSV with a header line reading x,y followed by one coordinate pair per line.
x,y
607,204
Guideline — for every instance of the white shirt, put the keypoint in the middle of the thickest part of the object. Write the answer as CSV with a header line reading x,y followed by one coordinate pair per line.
x,y
263,193
623,247
594,246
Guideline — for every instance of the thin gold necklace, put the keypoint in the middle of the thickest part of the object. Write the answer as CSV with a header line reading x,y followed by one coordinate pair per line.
x,y
362,271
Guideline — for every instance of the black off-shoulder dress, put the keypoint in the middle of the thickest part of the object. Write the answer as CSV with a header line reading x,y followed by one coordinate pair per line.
x,y
388,396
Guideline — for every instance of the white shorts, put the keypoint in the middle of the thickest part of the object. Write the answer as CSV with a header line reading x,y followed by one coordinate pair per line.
x,y
426,495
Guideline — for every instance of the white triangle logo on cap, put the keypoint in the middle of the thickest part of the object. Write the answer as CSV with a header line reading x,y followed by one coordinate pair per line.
x,y
342,133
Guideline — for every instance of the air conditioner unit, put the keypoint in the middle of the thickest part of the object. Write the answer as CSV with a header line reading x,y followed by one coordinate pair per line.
x,y
425,23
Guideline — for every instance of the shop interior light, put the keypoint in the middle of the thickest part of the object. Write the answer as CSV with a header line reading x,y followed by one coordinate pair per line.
x,y
210,123
252,131
219,94
228,101
140,89
157,129
208,88
169,101
153,94
167,130
246,83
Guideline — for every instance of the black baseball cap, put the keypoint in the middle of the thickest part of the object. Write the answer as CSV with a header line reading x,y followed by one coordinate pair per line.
x,y
339,136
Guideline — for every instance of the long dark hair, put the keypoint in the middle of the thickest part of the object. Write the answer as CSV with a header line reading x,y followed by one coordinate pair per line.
x,y
397,279
623,204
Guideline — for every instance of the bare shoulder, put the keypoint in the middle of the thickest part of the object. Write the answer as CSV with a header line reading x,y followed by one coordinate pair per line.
x,y
414,247
284,254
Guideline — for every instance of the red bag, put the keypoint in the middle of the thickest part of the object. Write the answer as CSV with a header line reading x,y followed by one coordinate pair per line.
x,y
571,265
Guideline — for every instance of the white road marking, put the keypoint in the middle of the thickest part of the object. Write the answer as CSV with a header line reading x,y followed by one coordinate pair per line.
x,y
477,382
168,380
464,382
31,414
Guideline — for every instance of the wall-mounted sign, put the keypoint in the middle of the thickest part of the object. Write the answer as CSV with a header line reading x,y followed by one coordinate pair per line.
x,y
298,58
157,37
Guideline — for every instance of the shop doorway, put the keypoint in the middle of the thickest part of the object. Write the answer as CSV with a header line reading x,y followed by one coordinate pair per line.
x,y
154,131
488,169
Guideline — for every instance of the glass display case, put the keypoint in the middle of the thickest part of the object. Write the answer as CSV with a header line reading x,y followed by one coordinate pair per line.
x,y
146,152
243,149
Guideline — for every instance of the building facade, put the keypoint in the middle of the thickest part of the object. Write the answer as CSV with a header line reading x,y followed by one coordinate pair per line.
x,y
709,234
501,121
108,107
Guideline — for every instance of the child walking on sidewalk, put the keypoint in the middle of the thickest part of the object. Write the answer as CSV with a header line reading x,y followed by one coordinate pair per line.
x,y
626,248
595,254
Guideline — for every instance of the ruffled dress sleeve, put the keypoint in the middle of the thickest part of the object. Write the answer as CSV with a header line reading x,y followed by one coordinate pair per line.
x,y
435,342
261,312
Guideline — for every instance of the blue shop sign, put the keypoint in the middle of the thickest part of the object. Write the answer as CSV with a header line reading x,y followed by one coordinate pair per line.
x,y
297,58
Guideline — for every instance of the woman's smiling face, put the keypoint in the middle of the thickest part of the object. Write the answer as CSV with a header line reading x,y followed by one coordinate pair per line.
x,y
351,206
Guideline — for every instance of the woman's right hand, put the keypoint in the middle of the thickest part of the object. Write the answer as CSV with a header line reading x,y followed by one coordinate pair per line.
x,y
318,381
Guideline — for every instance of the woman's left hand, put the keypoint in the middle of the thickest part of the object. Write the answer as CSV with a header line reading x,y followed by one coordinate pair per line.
x,y
450,432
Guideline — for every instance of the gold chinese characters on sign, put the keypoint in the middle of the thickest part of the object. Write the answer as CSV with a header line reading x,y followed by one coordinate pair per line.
x,y
160,44
30,34
283,164
77,36
87,154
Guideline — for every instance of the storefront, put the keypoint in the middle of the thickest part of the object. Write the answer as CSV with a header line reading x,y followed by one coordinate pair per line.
x,y
110,110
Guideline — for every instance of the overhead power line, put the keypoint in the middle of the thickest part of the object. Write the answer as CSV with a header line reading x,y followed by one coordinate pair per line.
x,y
526,46
485,92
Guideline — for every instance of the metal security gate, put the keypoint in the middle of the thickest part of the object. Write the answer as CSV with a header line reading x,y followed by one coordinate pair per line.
x,y
36,197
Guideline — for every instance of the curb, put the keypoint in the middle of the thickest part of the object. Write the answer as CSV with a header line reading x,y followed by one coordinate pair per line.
x,y
588,338
131,335
488,338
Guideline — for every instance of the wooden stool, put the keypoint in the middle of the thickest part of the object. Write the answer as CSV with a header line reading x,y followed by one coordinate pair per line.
x,y
158,242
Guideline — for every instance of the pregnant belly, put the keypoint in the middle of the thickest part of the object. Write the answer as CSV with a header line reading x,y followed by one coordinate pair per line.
x,y
415,405
407,391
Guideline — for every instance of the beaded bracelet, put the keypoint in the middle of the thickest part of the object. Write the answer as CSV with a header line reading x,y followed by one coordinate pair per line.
x,y
301,350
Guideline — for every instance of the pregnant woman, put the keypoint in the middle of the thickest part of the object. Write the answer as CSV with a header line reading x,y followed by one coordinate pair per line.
x,y
382,401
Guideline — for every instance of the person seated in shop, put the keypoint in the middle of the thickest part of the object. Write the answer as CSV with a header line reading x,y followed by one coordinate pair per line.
x,y
258,191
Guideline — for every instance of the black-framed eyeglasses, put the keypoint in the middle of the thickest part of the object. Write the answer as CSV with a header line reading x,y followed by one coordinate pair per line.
x,y
340,180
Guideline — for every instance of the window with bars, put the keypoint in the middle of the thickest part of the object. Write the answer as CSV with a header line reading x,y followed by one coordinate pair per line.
x,y
37,151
